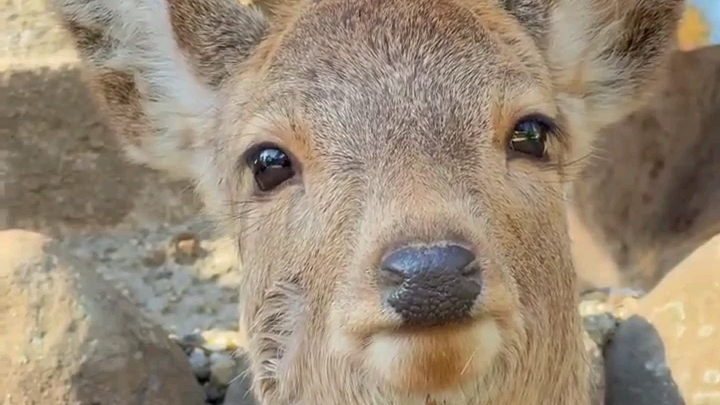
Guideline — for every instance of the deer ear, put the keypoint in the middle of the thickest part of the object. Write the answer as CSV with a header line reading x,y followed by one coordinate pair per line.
x,y
155,67
607,56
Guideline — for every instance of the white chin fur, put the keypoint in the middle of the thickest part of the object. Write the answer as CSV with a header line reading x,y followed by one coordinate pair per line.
x,y
446,364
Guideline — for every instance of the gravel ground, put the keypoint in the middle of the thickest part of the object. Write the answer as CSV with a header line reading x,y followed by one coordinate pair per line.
x,y
182,276
185,278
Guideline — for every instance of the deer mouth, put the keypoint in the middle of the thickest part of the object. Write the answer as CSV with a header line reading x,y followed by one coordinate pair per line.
x,y
434,359
415,359
427,331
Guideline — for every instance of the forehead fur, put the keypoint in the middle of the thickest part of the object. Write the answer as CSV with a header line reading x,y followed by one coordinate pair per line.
x,y
394,70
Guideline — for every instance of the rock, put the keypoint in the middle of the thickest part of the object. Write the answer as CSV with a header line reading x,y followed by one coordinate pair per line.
x,y
69,338
185,248
156,258
61,167
222,340
222,369
213,340
667,353
200,364
213,394
636,371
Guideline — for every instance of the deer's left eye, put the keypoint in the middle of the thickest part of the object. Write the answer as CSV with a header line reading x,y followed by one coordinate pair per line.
x,y
530,135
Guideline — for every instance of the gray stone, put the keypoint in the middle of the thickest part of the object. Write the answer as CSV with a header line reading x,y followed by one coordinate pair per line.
x,y
636,370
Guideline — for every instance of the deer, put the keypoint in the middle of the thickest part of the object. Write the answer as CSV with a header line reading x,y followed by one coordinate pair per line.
x,y
394,173
648,194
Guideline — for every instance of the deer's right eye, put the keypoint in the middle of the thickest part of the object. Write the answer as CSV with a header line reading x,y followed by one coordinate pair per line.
x,y
270,166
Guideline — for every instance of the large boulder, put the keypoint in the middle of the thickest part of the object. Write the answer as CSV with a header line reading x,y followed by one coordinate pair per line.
x,y
69,338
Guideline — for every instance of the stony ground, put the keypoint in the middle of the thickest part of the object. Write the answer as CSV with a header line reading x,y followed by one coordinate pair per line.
x,y
182,276
185,279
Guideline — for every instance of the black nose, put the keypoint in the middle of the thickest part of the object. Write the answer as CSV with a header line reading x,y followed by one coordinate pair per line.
x,y
431,285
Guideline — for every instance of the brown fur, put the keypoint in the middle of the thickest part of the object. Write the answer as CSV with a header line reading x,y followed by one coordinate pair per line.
x,y
651,192
399,114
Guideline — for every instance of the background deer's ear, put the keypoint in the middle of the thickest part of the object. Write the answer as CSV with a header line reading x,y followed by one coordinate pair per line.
x,y
606,56
155,67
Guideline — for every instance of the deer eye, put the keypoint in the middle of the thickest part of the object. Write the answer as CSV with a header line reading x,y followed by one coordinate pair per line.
x,y
270,166
530,135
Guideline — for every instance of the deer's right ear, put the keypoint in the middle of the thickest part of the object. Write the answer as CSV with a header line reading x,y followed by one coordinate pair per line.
x,y
155,67
607,58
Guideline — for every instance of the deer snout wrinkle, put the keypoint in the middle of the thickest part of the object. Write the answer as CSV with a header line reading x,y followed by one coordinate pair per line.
x,y
430,285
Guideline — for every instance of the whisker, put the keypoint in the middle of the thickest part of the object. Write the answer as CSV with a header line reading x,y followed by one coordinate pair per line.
x,y
467,364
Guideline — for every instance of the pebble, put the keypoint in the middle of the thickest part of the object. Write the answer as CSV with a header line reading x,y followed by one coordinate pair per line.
x,y
190,340
155,258
185,248
222,369
601,327
200,364
218,340
213,340
212,357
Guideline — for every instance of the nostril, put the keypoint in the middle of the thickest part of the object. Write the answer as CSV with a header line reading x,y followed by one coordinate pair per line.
x,y
412,260
390,277
472,269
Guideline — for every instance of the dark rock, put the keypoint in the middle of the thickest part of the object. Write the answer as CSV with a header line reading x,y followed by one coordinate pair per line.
x,y
636,369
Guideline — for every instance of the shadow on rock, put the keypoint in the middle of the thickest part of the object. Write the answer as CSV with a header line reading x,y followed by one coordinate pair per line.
x,y
61,167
